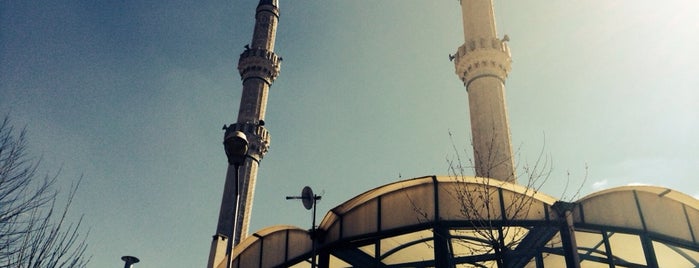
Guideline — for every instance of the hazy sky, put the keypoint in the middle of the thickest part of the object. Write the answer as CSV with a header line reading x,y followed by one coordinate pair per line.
x,y
133,95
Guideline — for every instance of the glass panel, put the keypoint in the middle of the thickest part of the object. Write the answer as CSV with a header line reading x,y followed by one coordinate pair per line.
x,y
514,235
336,263
469,201
392,243
552,260
274,249
591,264
485,264
476,241
301,244
404,208
627,248
523,207
251,256
360,220
590,245
303,264
471,242
555,242
656,212
420,251
693,216
623,212
368,249
333,233
673,256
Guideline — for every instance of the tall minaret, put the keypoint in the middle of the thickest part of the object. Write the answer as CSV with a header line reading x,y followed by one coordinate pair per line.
x,y
258,66
482,63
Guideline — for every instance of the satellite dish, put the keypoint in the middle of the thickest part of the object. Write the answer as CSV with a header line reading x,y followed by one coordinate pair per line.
x,y
307,197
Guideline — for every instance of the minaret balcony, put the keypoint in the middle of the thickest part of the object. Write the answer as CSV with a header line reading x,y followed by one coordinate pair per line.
x,y
477,58
259,63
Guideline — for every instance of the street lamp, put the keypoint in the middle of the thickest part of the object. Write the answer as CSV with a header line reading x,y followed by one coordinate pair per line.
x,y
129,261
235,143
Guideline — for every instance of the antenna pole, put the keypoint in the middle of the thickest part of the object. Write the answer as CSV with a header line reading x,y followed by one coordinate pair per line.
x,y
309,201
313,233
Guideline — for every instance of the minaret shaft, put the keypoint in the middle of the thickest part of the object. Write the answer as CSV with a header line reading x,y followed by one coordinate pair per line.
x,y
258,67
478,19
265,32
253,101
482,63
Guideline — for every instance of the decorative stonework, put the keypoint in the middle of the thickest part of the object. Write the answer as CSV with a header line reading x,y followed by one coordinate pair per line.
x,y
477,58
269,6
259,63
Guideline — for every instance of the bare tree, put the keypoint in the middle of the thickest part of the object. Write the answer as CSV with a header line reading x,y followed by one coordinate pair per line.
x,y
493,219
494,227
33,232
490,217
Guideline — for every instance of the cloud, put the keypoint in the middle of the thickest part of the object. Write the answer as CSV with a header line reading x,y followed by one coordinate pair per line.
x,y
638,184
599,184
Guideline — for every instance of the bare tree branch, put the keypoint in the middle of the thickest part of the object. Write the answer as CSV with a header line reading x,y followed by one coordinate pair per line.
x,y
32,232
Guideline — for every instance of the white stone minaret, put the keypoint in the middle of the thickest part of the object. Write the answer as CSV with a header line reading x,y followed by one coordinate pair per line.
x,y
482,63
258,66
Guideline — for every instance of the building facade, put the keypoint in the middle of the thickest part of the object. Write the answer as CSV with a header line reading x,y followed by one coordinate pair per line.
x,y
487,220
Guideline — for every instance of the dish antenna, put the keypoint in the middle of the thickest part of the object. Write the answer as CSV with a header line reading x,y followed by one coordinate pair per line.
x,y
309,199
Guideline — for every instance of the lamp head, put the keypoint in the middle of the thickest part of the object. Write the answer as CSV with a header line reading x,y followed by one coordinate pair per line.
x,y
129,261
235,143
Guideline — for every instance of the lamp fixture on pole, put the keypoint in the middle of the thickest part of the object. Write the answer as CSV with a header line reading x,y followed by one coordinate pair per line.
x,y
235,143
129,261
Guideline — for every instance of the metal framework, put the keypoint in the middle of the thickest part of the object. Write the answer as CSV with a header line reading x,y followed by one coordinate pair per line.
x,y
429,222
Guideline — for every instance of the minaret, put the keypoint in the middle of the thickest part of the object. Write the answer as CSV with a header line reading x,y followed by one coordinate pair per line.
x,y
482,63
258,66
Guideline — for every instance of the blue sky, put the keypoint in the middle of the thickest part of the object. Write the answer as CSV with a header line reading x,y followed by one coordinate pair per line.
x,y
133,94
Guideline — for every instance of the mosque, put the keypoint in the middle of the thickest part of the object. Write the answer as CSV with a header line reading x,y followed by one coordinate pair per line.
x,y
489,220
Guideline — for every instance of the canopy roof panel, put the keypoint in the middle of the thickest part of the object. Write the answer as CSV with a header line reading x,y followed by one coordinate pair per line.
x,y
660,211
271,247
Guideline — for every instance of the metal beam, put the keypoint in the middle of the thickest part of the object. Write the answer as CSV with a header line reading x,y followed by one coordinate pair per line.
x,y
530,246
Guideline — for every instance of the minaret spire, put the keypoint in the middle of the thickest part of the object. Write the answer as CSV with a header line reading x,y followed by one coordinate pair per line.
x,y
482,63
258,67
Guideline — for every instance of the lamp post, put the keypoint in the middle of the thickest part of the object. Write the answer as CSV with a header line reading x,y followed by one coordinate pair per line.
x,y
129,261
235,143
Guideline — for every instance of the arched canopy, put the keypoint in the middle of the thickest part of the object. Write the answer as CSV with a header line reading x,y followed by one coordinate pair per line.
x,y
403,215
442,221
662,212
420,202
271,247
638,226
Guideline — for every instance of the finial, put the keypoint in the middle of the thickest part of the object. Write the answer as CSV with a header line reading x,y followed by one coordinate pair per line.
x,y
269,2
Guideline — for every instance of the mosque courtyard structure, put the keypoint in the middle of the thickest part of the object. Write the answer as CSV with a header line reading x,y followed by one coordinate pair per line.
x,y
493,219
